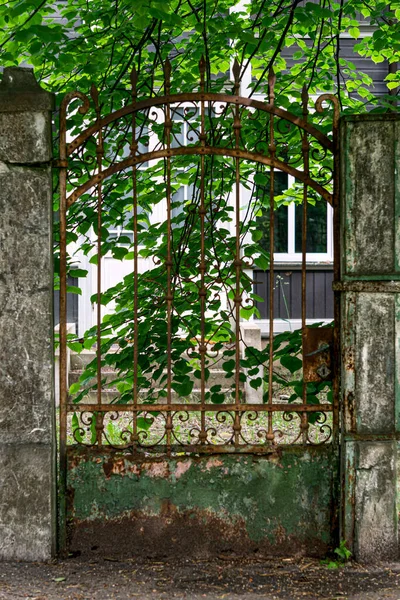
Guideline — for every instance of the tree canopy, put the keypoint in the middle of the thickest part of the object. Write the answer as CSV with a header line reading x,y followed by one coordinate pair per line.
x,y
73,43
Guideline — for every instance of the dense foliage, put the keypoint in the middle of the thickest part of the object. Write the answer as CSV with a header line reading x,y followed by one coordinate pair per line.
x,y
75,43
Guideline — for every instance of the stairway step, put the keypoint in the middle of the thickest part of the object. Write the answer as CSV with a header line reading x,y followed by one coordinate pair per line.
x,y
217,377
81,360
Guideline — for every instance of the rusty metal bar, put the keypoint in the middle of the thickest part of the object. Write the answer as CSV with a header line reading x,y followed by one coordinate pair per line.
x,y
134,149
336,269
272,150
193,97
260,449
168,263
99,159
203,266
336,252
305,148
195,151
63,386
238,260
276,407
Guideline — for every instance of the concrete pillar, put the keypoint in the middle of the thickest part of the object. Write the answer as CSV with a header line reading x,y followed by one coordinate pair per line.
x,y
370,333
251,336
27,424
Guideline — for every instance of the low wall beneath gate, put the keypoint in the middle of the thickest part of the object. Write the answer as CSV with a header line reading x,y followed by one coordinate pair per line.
x,y
282,503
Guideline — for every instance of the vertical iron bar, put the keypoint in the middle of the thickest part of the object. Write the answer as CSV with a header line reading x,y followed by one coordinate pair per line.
x,y
238,261
63,163
63,331
202,291
305,152
99,157
168,263
336,269
134,148
272,149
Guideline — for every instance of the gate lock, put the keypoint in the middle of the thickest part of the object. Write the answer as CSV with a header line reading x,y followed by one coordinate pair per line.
x,y
317,354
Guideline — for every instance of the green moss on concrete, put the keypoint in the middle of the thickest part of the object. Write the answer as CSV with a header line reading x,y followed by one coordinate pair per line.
x,y
290,493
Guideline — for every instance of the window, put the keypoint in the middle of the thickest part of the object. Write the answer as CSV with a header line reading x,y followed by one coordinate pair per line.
x,y
288,226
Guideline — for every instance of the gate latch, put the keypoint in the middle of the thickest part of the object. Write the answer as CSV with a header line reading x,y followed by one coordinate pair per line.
x,y
318,354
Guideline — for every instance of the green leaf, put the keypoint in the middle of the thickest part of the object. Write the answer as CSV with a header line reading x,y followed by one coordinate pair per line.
x,y
229,365
217,398
216,388
183,388
76,428
256,235
74,388
291,363
262,262
123,386
119,252
73,289
77,272
354,32
75,346
256,383
145,422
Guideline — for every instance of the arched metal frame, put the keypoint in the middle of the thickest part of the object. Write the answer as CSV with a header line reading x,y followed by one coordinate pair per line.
x,y
172,410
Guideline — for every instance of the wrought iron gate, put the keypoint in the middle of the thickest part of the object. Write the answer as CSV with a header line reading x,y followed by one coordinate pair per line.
x,y
179,320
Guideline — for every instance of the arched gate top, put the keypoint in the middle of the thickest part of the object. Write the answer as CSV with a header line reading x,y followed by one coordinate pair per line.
x,y
266,157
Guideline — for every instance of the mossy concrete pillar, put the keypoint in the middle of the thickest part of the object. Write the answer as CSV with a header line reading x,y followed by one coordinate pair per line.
x,y
27,431
370,333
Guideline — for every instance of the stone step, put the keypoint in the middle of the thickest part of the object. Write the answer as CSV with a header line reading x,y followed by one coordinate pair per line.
x,y
216,377
110,396
81,360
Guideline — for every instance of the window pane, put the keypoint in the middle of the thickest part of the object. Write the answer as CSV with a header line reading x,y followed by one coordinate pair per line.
x,y
280,215
280,230
316,227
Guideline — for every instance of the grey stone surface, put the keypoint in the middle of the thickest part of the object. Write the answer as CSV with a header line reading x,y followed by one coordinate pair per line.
x,y
27,427
26,349
374,329
26,502
375,502
368,195
25,138
370,323
20,92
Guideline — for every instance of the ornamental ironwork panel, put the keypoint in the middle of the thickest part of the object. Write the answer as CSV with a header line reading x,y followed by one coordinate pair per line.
x,y
176,366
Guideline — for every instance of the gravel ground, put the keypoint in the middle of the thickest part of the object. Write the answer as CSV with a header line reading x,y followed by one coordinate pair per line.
x,y
219,578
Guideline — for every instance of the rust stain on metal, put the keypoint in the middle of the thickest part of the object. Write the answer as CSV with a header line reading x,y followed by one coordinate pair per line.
x,y
349,410
317,354
194,532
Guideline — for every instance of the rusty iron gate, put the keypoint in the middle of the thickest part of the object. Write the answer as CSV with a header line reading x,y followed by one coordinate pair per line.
x,y
155,388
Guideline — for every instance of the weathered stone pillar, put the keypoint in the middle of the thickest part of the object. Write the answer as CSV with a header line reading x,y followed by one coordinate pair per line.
x,y
27,424
370,332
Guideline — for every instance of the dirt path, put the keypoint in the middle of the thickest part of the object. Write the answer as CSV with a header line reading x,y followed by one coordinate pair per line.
x,y
222,578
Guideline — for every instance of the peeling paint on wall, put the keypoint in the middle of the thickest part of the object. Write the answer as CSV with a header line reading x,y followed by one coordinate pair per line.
x,y
279,504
